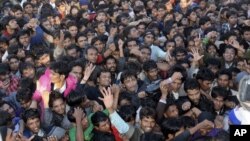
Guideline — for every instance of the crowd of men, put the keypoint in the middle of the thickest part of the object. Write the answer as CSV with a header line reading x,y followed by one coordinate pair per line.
x,y
122,70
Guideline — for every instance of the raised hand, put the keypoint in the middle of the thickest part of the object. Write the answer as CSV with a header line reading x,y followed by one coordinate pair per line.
x,y
247,67
87,72
196,56
108,98
170,59
52,138
78,113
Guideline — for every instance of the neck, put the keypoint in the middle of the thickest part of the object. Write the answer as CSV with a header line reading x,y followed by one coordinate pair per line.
x,y
59,85
10,31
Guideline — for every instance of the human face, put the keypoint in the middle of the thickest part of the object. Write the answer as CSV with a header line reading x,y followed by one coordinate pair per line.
x,y
145,55
149,39
193,16
84,121
246,35
72,53
104,126
213,68
172,112
176,85
77,72
111,65
223,81
134,33
24,40
132,44
47,25
59,106
212,50
29,73
179,42
141,28
194,95
104,79
28,9
13,24
207,25
170,46
44,60
82,41
55,77
5,81
101,28
14,64
147,124
152,74
240,65
180,56
25,104
91,56
229,55
99,45
18,14
233,19
218,103
67,42
6,107
73,30
33,124
206,85
130,84
101,17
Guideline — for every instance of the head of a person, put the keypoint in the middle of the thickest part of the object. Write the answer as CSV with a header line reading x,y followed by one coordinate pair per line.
x,y
42,58
124,99
171,109
145,54
27,70
23,37
171,127
13,62
179,53
147,119
232,17
229,53
103,78
101,122
10,23
151,70
24,97
84,120
128,113
57,102
192,88
219,95
205,116
129,81
110,64
8,107
81,40
177,83
31,118
59,71
91,54
205,22
224,77
213,64
205,78
4,75
76,69
149,37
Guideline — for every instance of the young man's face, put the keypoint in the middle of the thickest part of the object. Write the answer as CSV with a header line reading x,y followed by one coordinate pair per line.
x,y
67,42
132,44
246,36
99,45
229,55
18,14
91,55
4,81
77,72
44,60
145,55
28,73
101,28
33,124
24,40
172,112
9,109
194,95
149,39
223,81
25,104
73,30
134,33
152,74
101,17
104,79
104,126
72,52
147,124
55,77
232,19
130,84
14,64
59,106
218,103
111,65
176,85
205,84
12,24
82,41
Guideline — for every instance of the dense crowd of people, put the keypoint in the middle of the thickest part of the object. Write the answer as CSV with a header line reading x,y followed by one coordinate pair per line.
x,y
123,70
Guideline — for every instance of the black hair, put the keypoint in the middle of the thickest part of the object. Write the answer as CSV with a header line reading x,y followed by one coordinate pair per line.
x,y
75,98
30,114
25,65
70,115
60,67
24,95
225,72
151,137
98,117
127,74
4,68
213,61
147,112
127,113
5,119
219,91
103,136
149,65
170,126
179,50
191,84
187,121
178,68
54,95
124,96
205,74
204,20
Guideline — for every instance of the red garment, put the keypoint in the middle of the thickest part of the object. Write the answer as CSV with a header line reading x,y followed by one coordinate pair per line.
x,y
14,83
116,134
99,59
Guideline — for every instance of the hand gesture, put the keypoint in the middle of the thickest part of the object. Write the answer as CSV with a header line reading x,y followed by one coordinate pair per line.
x,y
247,67
108,98
113,31
120,43
176,75
196,55
48,37
20,137
52,138
135,51
115,89
78,113
142,94
61,39
164,88
112,47
206,124
170,59
88,71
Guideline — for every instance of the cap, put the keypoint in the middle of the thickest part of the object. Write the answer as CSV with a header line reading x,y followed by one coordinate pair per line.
x,y
84,2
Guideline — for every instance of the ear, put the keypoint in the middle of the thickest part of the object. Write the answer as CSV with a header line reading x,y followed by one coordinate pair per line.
x,y
200,81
